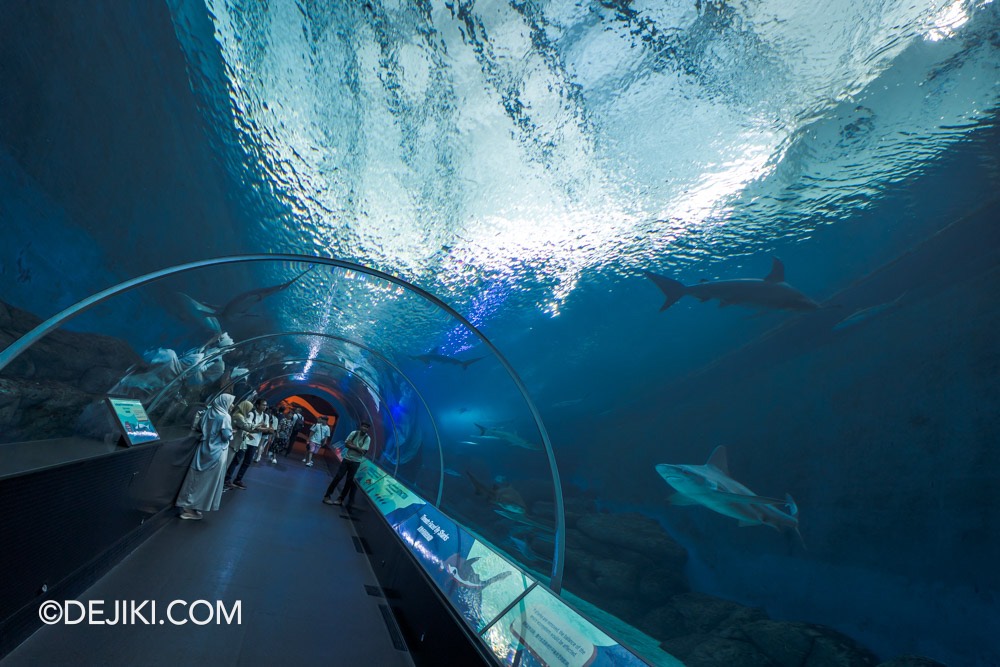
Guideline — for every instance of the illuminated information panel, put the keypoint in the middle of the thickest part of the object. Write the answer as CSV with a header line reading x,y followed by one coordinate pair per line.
x,y
520,621
477,580
541,630
132,420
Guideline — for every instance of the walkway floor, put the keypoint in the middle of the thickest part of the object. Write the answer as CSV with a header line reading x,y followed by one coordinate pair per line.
x,y
287,558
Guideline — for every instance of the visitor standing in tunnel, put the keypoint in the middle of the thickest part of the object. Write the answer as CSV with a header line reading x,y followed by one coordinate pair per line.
x,y
355,447
251,419
298,421
282,439
202,487
319,436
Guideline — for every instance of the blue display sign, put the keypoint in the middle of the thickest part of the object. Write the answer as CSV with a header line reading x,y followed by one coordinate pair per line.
x,y
477,580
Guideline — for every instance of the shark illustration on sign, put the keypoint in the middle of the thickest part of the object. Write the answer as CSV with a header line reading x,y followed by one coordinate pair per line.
x,y
771,293
711,486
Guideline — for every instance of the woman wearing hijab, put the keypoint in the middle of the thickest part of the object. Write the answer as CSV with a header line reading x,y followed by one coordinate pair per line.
x,y
202,488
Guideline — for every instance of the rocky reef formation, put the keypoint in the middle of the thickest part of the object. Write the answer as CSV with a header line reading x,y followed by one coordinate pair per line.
x,y
46,388
628,565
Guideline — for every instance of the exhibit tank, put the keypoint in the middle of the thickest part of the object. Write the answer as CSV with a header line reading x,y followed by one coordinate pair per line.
x,y
733,264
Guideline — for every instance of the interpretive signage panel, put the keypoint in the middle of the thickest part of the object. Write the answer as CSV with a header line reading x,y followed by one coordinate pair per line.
x,y
393,500
542,631
367,474
478,581
132,420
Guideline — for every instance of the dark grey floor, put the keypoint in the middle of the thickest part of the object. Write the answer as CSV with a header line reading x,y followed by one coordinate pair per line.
x,y
289,559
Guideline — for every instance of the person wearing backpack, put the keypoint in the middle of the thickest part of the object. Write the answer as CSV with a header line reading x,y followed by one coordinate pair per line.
x,y
355,447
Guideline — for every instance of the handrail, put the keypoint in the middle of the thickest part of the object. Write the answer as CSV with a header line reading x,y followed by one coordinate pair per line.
x,y
27,340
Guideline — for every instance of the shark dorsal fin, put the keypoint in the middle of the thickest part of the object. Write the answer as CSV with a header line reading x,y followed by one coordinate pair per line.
x,y
777,274
718,459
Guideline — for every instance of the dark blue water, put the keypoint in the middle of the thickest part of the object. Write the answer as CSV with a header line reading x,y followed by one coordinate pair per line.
x,y
526,163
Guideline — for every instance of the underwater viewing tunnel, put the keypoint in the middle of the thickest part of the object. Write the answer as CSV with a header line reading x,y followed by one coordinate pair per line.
x,y
519,333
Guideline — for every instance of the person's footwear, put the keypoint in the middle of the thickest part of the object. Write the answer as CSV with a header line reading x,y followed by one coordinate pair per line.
x,y
274,460
338,501
309,465
198,513
240,485
227,486
327,501
304,460
185,514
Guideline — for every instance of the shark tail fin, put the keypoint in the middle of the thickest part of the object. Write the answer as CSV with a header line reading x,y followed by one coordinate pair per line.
x,y
480,489
671,288
466,364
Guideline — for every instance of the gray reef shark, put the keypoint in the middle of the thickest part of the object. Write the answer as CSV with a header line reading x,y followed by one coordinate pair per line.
x,y
512,439
770,293
711,486
434,357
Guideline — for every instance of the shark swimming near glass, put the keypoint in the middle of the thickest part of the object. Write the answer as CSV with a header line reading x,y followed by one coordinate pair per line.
x,y
865,314
512,439
769,293
503,496
711,486
209,316
433,357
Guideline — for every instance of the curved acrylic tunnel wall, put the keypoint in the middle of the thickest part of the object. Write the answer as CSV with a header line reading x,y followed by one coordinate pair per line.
x,y
451,418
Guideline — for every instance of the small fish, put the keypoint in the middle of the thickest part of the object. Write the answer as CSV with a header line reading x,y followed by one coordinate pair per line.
x,y
512,439
771,292
451,472
434,357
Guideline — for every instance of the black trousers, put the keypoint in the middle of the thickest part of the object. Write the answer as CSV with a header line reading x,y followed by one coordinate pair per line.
x,y
241,460
346,469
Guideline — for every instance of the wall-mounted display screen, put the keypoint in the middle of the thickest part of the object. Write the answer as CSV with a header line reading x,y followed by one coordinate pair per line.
x,y
133,421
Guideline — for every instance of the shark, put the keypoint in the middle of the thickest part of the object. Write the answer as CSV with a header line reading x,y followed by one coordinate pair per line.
x,y
208,315
434,357
711,486
463,573
771,292
865,314
512,439
503,496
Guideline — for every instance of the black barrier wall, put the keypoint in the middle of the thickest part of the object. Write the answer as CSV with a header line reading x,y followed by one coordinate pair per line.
x,y
68,525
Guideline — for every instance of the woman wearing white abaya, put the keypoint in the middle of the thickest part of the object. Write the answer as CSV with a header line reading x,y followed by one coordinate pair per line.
x,y
202,488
